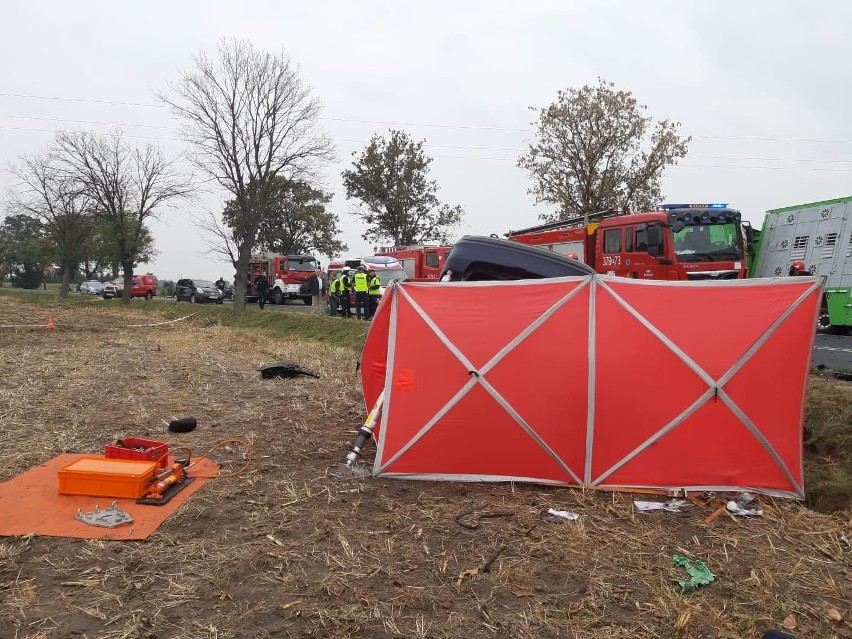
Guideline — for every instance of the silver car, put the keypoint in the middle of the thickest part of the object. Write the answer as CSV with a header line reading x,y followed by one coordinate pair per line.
x,y
92,287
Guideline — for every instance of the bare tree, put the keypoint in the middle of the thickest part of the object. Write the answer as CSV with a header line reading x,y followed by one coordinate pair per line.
x,y
250,119
127,187
66,212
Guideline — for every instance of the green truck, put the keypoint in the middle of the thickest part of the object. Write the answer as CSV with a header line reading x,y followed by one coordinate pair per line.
x,y
820,235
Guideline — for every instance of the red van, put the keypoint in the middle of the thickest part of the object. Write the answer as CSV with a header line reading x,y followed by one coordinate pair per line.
x,y
142,286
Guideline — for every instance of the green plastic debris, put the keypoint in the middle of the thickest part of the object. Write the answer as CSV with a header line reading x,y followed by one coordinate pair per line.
x,y
699,573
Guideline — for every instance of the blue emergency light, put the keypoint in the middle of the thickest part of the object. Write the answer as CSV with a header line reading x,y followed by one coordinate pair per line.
x,y
668,207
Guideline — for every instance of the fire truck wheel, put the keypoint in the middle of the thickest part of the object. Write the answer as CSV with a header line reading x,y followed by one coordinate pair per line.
x,y
278,296
307,301
149,296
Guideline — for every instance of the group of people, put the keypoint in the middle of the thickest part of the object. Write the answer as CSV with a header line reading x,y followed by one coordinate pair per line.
x,y
366,286
364,283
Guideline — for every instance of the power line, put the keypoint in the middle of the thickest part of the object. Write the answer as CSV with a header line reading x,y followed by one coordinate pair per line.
x,y
448,146
429,125
136,137
443,146
421,124
73,99
166,128
758,168
765,159
753,138
329,118
429,145
503,159
96,122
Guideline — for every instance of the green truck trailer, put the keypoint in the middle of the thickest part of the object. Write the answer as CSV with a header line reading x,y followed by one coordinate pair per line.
x,y
820,235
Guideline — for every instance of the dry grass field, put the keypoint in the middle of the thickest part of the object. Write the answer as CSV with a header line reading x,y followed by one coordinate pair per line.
x,y
287,549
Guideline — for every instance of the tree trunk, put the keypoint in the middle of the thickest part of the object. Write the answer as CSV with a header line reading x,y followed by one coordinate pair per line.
x,y
241,279
128,283
66,278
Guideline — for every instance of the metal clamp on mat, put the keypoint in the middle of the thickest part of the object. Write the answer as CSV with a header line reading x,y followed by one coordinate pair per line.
x,y
112,517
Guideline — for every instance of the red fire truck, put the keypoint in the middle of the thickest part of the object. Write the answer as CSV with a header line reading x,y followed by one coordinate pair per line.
x,y
419,261
286,275
678,242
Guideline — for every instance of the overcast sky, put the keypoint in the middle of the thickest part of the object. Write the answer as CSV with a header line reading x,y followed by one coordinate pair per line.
x,y
761,86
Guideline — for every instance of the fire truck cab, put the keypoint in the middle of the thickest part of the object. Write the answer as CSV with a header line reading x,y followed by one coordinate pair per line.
x,y
419,261
678,242
287,276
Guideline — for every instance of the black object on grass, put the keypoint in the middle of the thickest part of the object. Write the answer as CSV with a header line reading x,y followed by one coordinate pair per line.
x,y
183,425
285,370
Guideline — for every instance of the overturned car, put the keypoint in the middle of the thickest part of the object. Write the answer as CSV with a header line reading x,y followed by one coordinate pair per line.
x,y
475,258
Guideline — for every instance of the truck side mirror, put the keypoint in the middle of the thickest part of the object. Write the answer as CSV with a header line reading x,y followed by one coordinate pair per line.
x,y
749,236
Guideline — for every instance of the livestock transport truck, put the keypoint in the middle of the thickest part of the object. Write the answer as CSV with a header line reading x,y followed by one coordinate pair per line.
x,y
820,235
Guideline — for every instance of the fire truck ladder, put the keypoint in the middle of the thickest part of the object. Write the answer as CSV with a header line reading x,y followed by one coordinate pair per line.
x,y
571,222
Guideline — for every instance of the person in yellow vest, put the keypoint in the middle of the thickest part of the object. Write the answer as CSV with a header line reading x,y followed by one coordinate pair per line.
x,y
334,295
359,283
345,292
374,289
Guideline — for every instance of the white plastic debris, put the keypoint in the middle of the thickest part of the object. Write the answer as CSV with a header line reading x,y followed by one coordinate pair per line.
x,y
563,514
672,505
736,509
844,539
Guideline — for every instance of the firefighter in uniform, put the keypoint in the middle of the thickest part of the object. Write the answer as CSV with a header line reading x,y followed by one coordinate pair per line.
x,y
345,291
798,268
334,295
261,287
359,283
374,288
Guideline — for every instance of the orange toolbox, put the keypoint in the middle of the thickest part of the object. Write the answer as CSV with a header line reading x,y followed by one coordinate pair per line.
x,y
104,477
137,448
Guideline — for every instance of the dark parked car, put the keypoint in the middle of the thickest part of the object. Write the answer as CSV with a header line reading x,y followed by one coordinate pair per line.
x,y
475,258
192,290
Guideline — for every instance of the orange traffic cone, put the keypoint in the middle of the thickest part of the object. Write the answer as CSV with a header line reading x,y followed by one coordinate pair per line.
x,y
50,325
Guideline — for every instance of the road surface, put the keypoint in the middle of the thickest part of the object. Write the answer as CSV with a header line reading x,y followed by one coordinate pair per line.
x,y
831,351
834,352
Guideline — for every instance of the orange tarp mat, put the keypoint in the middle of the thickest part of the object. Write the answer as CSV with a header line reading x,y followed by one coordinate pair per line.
x,y
31,503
